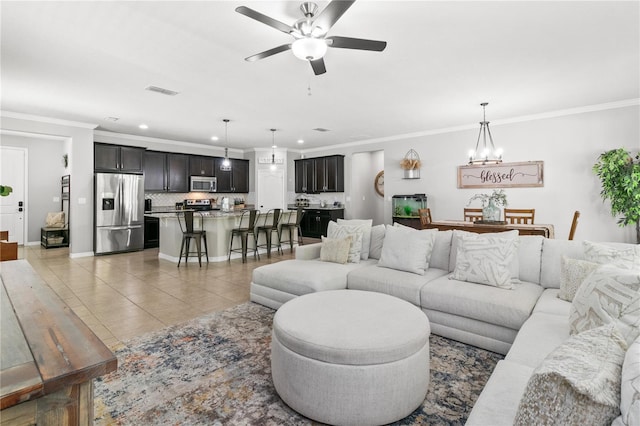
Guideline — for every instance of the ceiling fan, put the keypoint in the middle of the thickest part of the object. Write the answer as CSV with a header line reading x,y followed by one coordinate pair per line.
x,y
310,34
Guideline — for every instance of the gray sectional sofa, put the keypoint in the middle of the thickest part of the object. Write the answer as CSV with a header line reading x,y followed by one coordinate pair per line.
x,y
525,323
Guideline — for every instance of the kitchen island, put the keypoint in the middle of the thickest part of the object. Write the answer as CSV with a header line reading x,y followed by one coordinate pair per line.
x,y
218,225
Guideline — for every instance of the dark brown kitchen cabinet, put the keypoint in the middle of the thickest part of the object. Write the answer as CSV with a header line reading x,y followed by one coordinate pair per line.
x,y
320,174
234,180
117,158
166,172
201,165
316,221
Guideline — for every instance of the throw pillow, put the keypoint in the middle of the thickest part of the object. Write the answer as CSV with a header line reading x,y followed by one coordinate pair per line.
x,y
335,250
457,234
572,274
407,250
365,225
55,220
628,258
485,260
377,239
578,383
608,295
355,232
630,388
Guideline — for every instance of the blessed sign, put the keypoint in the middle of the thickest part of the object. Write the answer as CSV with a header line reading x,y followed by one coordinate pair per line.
x,y
503,175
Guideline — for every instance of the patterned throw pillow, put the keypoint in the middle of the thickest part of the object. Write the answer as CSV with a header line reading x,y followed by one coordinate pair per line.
x,y
630,388
335,250
365,226
627,258
572,274
407,249
608,295
485,260
336,231
578,383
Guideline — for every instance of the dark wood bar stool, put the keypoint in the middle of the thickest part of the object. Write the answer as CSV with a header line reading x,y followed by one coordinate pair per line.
x,y
268,227
289,226
185,219
245,227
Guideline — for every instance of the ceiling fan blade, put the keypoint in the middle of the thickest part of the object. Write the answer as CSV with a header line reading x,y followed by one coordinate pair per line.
x,y
280,26
356,43
318,66
331,14
268,53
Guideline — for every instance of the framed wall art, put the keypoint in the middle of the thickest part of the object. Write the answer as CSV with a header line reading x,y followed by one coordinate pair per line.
x,y
502,175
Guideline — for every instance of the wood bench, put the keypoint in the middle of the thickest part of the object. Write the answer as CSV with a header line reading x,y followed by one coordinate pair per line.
x,y
8,251
49,356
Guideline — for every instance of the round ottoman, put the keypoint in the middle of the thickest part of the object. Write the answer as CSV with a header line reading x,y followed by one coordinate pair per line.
x,y
349,357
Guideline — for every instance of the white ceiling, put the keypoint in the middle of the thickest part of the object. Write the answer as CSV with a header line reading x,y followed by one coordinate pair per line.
x,y
85,61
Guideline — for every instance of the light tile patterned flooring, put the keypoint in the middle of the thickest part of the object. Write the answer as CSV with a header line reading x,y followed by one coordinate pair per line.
x,y
121,296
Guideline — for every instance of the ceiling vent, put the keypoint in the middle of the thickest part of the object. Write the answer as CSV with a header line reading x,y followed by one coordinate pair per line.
x,y
320,129
161,90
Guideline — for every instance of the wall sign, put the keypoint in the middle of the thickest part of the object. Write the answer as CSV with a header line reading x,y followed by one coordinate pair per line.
x,y
267,160
503,175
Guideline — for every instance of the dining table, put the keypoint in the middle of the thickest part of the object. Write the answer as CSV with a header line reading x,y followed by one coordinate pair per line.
x,y
546,230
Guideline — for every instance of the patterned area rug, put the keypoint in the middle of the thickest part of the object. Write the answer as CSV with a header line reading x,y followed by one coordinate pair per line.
x,y
215,370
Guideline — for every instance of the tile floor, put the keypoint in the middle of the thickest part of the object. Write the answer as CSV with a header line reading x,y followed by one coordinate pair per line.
x,y
121,296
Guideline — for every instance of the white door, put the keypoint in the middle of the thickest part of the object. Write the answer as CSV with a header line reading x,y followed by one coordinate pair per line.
x,y
12,207
271,190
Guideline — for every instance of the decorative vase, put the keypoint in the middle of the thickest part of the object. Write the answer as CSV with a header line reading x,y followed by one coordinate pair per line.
x,y
491,212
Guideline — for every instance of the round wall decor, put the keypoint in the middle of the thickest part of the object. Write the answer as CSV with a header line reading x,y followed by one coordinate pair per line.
x,y
378,183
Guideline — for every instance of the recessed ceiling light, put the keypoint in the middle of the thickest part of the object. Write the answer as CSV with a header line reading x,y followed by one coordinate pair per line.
x,y
143,126
214,138
300,141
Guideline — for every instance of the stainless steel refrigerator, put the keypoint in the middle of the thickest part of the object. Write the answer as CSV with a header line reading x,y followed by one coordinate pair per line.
x,y
119,213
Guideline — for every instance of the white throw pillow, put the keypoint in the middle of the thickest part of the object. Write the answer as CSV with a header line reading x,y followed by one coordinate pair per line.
x,y
485,260
628,258
336,231
578,383
630,388
377,239
365,225
572,274
407,250
336,251
514,267
608,295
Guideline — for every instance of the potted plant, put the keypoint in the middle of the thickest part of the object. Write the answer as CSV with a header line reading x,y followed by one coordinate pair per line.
x,y
5,190
619,172
490,204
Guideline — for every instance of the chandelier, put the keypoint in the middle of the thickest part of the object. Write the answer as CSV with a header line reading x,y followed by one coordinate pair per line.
x,y
485,154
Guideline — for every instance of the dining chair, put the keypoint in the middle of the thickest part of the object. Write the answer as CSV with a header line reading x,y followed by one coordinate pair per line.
x,y
471,215
246,226
185,220
519,216
425,217
574,224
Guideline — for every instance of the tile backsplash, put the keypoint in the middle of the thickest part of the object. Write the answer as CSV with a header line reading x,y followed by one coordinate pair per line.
x,y
164,199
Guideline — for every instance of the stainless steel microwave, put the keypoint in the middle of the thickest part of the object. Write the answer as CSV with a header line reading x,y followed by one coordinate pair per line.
x,y
203,184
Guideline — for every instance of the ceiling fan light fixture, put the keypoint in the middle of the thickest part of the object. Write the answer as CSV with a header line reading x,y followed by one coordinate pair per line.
x,y
309,49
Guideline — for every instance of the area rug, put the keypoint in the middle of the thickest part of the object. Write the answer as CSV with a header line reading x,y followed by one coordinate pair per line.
x,y
215,370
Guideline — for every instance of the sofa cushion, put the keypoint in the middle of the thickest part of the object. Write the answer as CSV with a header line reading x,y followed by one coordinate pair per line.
x,y
529,255
441,250
628,258
630,388
608,295
407,250
377,239
578,383
485,260
549,303
335,250
396,283
489,304
572,274
365,226
537,338
356,233
305,276
455,241
552,251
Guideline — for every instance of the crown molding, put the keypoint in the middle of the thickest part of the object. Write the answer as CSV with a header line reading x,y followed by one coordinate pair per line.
x,y
159,140
41,119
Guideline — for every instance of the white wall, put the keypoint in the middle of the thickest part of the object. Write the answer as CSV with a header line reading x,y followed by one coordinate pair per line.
x,y
569,145
365,202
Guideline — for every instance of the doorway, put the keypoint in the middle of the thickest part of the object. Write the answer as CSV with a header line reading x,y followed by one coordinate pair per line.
x,y
271,190
13,164
366,202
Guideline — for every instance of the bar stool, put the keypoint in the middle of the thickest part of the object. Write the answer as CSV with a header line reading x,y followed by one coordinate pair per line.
x,y
245,227
290,225
268,229
188,233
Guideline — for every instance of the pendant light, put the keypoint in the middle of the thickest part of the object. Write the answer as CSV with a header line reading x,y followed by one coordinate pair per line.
x,y
226,164
273,150
486,155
